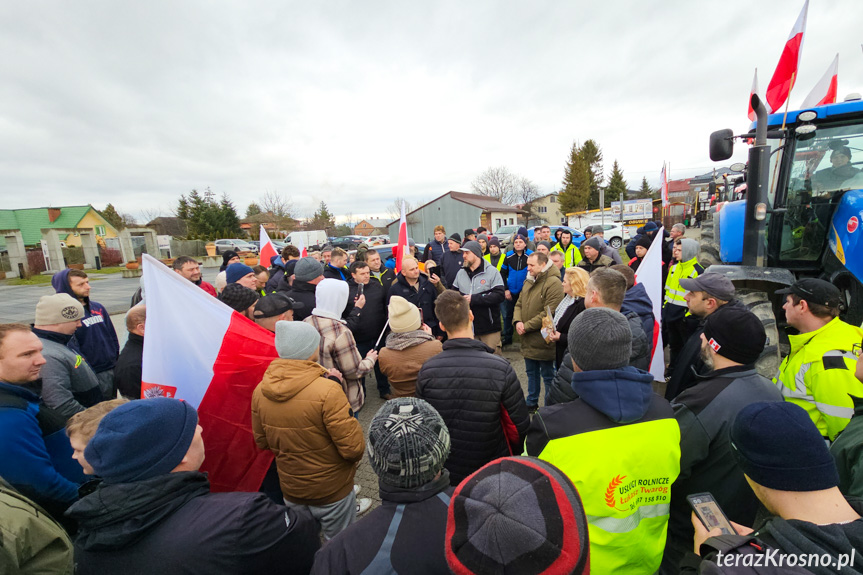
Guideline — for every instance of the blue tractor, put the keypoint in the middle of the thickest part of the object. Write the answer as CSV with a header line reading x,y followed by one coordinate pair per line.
x,y
802,212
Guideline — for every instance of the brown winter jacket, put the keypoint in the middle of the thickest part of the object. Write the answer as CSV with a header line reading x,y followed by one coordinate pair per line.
x,y
546,290
305,420
401,366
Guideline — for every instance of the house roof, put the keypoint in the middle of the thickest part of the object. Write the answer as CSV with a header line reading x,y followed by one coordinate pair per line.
x,y
484,203
168,226
376,222
678,186
31,221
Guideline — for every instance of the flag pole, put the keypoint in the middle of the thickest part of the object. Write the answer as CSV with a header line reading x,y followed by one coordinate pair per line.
x,y
788,101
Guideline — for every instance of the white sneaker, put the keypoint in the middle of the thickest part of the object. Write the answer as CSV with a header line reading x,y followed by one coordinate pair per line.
x,y
363,505
357,489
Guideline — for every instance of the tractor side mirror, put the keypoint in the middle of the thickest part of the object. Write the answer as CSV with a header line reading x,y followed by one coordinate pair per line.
x,y
721,145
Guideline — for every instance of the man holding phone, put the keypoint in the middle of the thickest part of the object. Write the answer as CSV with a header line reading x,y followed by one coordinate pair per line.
x,y
789,468
366,316
419,290
731,342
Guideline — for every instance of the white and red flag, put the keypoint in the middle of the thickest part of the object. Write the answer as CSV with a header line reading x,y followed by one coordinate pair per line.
x,y
754,90
784,76
663,186
268,250
825,90
301,246
402,246
201,351
649,274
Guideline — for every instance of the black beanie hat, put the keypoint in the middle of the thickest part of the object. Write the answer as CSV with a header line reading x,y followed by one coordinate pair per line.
x,y
644,242
237,297
777,446
735,333
456,238
517,515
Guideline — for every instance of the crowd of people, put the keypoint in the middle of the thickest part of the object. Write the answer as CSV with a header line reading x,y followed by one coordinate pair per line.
x,y
589,471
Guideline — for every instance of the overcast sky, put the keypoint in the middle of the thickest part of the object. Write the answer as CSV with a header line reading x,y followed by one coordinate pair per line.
x,y
357,103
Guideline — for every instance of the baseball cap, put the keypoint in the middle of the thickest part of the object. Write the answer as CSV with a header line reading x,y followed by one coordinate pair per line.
x,y
714,284
815,291
275,304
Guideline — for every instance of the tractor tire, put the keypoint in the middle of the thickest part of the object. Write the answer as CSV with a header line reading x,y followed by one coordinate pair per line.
x,y
708,252
758,303
616,243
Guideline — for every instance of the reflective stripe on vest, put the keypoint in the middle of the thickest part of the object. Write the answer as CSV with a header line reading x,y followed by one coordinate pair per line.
x,y
571,256
818,375
623,475
501,257
674,292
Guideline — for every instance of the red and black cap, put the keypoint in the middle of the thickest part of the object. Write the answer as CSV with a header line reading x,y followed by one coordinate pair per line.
x,y
517,515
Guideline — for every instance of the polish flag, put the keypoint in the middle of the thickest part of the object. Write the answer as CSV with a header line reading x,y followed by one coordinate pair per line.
x,y
752,92
649,274
201,351
825,90
402,247
268,250
301,246
786,70
663,186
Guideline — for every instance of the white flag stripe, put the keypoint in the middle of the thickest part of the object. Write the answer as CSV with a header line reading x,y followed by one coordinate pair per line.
x,y
819,92
185,327
650,275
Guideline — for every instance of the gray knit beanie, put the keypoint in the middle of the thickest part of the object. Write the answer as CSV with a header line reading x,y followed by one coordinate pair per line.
x,y
296,339
408,442
600,338
307,269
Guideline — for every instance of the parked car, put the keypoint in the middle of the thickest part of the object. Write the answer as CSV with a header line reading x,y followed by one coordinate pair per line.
x,y
235,244
615,235
345,242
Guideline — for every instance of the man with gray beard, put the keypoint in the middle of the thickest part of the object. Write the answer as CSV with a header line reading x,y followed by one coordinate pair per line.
x,y
732,340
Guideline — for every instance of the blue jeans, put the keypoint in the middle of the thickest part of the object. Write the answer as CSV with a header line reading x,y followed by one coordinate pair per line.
x,y
507,310
535,368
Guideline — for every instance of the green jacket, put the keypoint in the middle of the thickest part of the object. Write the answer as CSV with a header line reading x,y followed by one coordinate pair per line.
x,y
847,450
30,540
545,291
818,375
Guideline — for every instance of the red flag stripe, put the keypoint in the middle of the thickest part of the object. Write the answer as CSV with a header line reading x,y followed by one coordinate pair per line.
x,y
786,70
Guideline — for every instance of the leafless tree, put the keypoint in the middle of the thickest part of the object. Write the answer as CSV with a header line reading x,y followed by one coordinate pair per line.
x,y
279,204
150,214
394,210
498,183
526,194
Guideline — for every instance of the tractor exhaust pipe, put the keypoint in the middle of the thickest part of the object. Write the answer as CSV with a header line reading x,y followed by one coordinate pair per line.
x,y
757,184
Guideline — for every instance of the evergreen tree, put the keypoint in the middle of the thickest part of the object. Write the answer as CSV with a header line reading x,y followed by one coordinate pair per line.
x,y
616,186
576,183
252,210
183,211
592,155
646,191
229,221
323,219
207,219
112,217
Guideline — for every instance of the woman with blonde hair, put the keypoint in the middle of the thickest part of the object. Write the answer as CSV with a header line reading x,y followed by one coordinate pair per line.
x,y
574,289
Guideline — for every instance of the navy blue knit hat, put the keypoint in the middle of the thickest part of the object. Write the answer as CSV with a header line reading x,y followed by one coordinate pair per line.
x,y
237,271
778,446
142,439
517,515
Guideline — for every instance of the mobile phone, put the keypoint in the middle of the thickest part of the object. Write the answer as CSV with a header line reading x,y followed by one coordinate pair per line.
x,y
359,290
709,512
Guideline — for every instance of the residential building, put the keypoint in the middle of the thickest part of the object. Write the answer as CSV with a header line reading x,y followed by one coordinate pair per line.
x,y
371,227
31,221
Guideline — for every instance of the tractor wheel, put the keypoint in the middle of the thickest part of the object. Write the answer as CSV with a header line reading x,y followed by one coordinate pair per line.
x,y
758,303
708,253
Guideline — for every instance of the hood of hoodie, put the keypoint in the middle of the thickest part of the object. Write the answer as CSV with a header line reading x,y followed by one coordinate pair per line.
x,y
285,378
276,261
796,537
331,298
623,395
60,282
688,249
637,300
115,516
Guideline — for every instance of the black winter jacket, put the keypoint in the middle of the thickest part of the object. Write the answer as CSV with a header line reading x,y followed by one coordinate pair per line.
x,y
303,292
450,263
404,535
127,371
366,323
332,272
172,524
478,394
705,413
561,390
423,296
561,345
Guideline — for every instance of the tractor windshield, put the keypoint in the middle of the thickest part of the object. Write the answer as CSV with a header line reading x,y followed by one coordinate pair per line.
x,y
826,163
